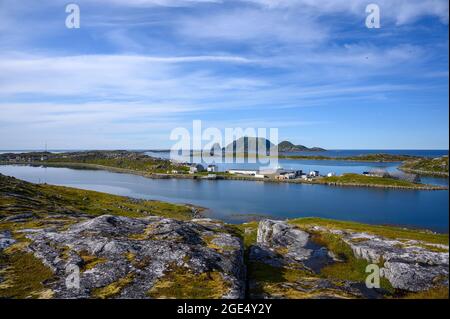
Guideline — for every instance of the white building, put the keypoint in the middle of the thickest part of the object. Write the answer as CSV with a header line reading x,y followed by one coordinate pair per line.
x,y
331,174
314,174
196,168
243,172
212,168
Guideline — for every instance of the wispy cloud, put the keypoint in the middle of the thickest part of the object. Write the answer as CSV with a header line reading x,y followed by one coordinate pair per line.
x,y
137,68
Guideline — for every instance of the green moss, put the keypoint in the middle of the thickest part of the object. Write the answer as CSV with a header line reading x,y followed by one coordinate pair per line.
x,y
137,261
279,282
90,261
247,232
209,241
114,288
145,234
352,268
383,231
179,283
24,276
130,256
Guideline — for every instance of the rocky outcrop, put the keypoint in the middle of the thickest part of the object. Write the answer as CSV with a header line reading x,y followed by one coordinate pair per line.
x,y
279,243
286,263
408,265
120,257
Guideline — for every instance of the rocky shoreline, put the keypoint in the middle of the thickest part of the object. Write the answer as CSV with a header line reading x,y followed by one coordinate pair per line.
x,y
135,253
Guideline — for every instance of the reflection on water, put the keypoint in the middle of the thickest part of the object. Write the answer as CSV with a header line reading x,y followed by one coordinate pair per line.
x,y
230,200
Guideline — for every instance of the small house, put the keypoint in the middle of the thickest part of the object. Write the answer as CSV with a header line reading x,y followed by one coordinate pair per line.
x,y
196,168
314,174
212,169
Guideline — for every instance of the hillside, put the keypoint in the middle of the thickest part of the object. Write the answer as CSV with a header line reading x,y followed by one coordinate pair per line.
x,y
249,145
252,145
427,166
287,146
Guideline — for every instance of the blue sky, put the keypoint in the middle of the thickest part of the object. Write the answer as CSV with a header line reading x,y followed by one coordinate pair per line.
x,y
136,69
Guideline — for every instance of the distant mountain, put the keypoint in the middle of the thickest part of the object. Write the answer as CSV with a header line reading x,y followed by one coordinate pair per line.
x,y
249,145
287,146
252,144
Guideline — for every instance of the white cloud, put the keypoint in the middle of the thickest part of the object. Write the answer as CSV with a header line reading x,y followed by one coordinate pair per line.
x,y
400,11
252,24
114,76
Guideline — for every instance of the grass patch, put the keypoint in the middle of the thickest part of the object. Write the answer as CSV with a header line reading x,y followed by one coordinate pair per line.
x,y
431,166
179,283
209,241
356,179
114,288
90,261
279,282
144,235
24,276
383,231
247,232
46,200
118,159
352,268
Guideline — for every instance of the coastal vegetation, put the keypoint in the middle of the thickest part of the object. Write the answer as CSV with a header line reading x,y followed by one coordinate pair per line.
x,y
381,158
18,197
370,181
386,231
427,166
141,164
283,280
132,161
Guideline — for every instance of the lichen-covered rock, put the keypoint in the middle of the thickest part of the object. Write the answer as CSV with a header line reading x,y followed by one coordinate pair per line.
x,y
279,243
408,265
414,277
120,257
274,232
286,263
